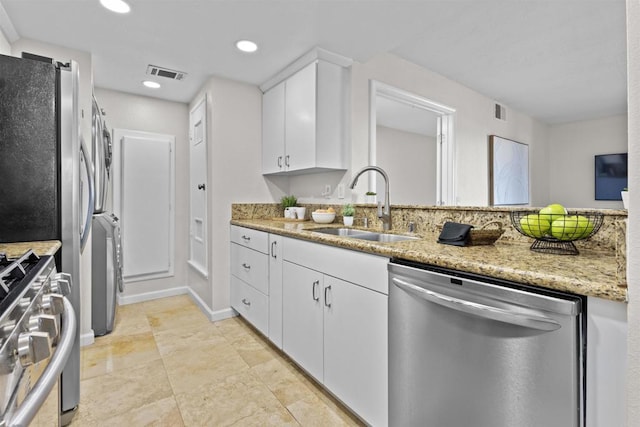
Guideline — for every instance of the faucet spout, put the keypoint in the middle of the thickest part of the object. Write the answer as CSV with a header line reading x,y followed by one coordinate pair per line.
x,y
385,214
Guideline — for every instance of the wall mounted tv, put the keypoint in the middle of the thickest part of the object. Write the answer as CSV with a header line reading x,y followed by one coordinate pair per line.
x,y
611,176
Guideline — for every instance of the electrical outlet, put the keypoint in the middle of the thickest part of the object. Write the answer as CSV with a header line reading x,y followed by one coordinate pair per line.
x,y
327,191
340,191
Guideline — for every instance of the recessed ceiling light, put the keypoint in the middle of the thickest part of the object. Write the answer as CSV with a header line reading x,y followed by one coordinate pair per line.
x,y
118,6
151,84
246,46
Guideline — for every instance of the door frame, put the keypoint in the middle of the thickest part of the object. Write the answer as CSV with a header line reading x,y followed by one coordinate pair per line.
x,y
204,272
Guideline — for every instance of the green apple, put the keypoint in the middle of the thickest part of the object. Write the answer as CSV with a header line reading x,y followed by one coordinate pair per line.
x,y
571,227
553,211
534,225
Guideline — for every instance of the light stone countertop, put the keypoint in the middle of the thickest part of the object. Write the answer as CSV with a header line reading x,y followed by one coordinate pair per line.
x,y
591,273
40,248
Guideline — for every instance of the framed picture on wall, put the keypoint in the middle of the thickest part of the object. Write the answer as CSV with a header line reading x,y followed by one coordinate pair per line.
x,y
610,176
508,172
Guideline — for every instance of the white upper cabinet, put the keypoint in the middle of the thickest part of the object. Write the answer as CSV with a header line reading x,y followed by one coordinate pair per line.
x,y
304,121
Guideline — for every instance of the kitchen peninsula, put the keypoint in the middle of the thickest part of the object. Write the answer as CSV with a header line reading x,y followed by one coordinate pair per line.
x,y
598,271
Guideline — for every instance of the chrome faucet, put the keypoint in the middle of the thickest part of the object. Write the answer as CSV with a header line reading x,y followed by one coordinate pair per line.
x,y
384,215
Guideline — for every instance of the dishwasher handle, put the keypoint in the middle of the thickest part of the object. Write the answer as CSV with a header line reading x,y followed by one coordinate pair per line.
x,y
541,323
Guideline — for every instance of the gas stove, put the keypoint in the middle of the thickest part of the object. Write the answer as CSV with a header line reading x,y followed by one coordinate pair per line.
x,y
37,331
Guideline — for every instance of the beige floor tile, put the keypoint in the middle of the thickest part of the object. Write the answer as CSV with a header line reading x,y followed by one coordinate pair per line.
x,y
130,320
162,413
170,303
283,384
188,369
122,391
177,318
240,399
177,339
165,364
314,412
118,353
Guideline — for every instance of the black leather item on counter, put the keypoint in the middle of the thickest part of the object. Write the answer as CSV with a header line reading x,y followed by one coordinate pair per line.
x,y
454,233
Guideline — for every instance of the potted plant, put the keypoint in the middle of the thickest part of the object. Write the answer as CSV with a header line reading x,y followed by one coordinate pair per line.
x,y
625,197
370,197
347,214
288,202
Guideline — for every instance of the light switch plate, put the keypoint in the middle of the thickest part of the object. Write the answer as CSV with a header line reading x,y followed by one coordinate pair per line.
x,y
340,191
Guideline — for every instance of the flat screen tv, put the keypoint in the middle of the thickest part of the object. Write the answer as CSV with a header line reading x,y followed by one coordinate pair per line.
x,y
611,176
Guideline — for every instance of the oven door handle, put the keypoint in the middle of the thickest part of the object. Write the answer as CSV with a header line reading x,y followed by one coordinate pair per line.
x,y
40,391
539,322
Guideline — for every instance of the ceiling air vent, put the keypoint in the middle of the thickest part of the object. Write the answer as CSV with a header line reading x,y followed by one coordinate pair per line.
x,y
501,112
154,70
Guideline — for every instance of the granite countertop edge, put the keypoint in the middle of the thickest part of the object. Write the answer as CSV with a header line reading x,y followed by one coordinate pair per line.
x,y
40,248
591,273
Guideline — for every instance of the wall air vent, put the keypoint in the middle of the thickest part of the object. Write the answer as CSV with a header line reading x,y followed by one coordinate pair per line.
x,y
154,70
501,112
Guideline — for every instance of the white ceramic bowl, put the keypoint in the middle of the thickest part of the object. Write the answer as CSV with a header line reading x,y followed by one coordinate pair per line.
x,y
323,217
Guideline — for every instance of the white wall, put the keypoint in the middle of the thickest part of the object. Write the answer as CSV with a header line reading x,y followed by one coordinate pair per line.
x,y
414,175
572,147
5,46
140,113
473,123
234,123
633,254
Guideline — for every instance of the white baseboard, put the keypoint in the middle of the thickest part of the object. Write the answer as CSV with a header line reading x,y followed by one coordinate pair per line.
x,y
148,296
87,339
213,316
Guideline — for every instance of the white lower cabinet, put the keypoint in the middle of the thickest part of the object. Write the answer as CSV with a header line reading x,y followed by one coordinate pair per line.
x,y
335,329
326,307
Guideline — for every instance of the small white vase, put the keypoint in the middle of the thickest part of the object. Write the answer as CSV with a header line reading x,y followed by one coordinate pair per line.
x,y
625,199
347,220
370,199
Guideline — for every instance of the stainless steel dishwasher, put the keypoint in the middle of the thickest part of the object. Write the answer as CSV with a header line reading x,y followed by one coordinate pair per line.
x,y
468,350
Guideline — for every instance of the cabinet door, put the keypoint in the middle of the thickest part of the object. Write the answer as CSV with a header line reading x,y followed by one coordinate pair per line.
x,y
355,348
275,290
273,129
300,123
302,317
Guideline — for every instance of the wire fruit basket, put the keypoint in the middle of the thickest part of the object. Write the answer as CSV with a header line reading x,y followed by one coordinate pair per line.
x,y
555,233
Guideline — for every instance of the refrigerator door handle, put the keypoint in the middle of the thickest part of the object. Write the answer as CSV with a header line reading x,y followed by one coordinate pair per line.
x,y
89,214
540,322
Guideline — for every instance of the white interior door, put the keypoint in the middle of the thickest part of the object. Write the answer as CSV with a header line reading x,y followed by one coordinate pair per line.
x,y
198,188
146,203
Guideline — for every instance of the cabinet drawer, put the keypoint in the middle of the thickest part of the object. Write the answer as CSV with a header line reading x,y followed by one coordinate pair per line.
x,y
251,304
250,266
254,239
356,267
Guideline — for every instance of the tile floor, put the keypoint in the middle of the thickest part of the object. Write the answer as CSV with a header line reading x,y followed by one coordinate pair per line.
x,y
166,364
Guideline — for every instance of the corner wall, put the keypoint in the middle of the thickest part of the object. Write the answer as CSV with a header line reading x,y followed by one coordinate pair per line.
x,y
234,144
633,253
572,147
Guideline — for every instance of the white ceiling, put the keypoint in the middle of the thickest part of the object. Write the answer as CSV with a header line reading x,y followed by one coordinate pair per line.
x,y
556,60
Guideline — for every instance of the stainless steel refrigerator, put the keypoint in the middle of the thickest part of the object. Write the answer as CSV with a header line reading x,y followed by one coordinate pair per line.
x,y
46,182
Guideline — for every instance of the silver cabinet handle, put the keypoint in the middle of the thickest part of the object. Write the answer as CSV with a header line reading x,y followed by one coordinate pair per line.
x,y
541,323
314,286
327,303
273,250
280,161
202,187
246,302
246,238
286,160
246,266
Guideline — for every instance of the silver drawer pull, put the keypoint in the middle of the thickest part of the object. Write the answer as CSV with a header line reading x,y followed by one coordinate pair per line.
x,y
246,302
314,286
326,296
246,266
246,238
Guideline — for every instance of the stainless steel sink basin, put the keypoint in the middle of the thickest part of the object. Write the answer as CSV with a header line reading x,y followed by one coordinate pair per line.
x,y
365,235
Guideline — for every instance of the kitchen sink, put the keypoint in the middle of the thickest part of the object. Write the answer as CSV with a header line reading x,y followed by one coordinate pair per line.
x,y
365,235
